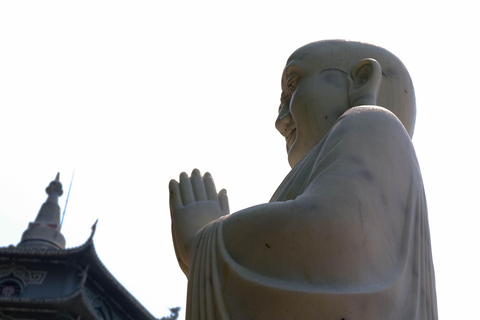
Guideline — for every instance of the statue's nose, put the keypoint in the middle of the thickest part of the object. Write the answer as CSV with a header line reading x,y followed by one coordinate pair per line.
x,y
283,119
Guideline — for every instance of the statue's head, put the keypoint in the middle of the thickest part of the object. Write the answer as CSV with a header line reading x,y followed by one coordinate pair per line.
x,y
324,79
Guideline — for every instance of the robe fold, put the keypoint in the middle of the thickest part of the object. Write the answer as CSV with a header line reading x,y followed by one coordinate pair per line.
x,y
345,236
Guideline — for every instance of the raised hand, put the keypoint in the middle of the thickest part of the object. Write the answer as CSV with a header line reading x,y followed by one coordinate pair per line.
x,y
194,202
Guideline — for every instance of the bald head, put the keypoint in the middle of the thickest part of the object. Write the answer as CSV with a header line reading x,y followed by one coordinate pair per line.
x,y
395,90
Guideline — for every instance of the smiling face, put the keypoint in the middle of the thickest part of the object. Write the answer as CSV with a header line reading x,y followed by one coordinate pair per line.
x,y
314,96
324,79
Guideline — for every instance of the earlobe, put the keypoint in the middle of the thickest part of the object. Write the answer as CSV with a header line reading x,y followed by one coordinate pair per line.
x,y
365,81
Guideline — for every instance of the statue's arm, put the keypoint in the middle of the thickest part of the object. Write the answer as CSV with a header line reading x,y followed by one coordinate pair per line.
x,y
194,202
336,224
253,233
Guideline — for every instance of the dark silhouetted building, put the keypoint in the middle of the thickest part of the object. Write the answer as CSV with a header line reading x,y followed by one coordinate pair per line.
x,y
40,279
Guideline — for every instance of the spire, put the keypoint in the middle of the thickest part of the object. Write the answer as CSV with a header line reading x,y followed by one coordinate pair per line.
x,y
44,232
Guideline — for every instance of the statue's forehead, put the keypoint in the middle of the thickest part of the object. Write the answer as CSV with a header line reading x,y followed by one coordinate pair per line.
x,y
307,61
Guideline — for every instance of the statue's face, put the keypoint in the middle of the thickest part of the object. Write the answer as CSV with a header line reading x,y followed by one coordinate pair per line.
x,y
314,96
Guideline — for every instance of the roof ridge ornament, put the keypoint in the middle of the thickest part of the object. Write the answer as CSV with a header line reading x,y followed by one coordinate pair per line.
x,y
94,228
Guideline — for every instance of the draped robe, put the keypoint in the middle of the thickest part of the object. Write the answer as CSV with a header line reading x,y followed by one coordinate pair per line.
x,y
345,236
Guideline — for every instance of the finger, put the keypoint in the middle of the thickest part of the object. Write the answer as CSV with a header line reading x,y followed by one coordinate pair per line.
x,y
223,199
198,186
210,186
186,189
175,198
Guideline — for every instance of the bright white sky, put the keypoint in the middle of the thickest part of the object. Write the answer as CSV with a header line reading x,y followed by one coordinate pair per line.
x,y
129,94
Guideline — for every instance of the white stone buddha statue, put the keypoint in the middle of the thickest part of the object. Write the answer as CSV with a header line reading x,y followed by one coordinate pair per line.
x,y
346,234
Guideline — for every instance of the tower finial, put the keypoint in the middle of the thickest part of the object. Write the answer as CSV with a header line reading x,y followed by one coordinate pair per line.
x,y
55,186
44,232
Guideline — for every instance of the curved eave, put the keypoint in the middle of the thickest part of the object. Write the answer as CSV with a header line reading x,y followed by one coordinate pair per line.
x,y
99,273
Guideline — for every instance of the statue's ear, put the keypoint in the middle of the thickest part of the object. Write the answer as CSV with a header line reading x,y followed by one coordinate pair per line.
x,y
365,81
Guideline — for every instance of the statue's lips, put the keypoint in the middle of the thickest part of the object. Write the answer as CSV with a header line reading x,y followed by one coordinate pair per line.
x,y
290,137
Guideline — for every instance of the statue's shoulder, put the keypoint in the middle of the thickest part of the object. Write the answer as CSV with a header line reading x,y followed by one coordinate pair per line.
x,y
370,112
371,119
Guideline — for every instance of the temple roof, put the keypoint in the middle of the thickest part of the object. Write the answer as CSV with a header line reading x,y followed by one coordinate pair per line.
x,y
86,258
90,286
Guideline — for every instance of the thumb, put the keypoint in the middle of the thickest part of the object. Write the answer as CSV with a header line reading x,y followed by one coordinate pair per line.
x,y
223,199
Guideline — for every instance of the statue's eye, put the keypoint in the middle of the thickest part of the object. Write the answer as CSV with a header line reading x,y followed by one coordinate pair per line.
x,y
292,84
